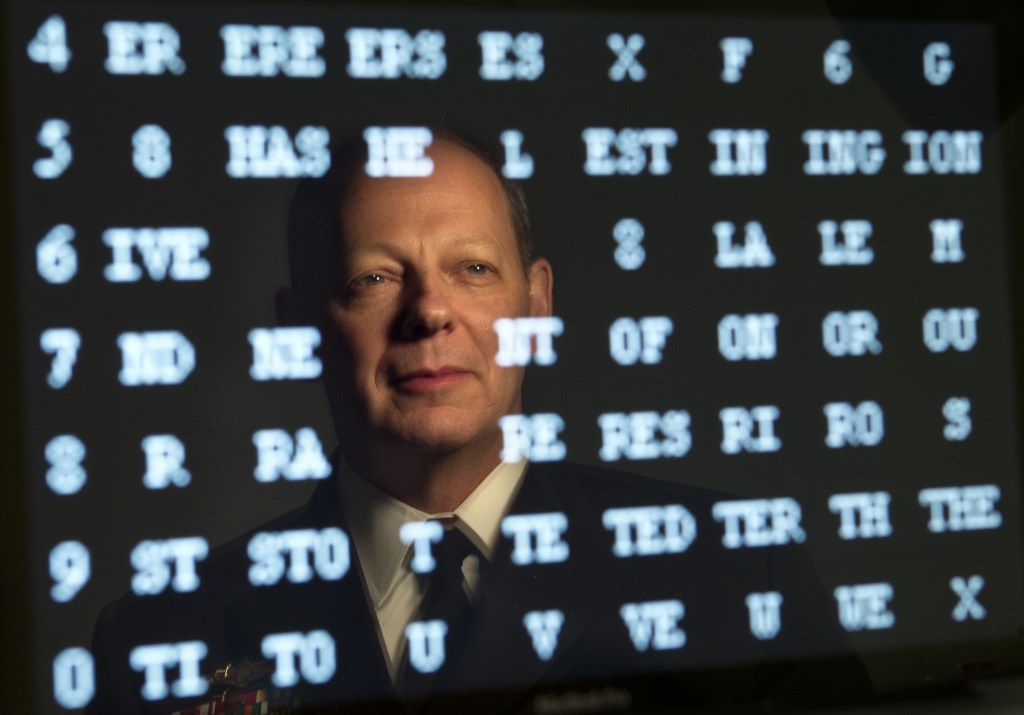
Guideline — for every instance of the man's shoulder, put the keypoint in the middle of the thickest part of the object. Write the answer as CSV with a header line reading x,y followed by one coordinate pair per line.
x,y
320,510
625,523
223,580
287,575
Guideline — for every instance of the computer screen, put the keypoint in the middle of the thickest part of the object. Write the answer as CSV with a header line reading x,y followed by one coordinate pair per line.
x,y
771,403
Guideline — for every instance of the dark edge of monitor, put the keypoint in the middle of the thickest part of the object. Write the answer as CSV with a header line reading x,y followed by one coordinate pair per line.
x,y
15,658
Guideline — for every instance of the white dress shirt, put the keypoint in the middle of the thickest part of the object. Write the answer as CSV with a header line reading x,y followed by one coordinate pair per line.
x,y
374,519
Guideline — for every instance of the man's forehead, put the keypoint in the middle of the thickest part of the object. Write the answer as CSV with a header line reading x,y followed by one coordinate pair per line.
x,y
452,163
461,185
482,245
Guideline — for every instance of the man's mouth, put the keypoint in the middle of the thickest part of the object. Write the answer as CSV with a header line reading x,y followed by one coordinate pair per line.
x,y
421,381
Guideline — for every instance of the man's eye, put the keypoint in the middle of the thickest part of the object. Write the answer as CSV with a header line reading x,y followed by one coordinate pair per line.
x,y
371,279
478,269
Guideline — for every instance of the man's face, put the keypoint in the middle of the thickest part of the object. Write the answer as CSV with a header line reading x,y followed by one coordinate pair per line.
x,y
426,267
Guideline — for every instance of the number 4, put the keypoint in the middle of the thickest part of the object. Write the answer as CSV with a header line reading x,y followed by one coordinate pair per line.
x,y
50,45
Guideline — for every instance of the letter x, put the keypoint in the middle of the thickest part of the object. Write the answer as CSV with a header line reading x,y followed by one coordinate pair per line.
x,y
627,50
968,605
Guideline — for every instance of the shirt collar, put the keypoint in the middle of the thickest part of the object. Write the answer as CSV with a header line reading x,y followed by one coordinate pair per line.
x,y
375,517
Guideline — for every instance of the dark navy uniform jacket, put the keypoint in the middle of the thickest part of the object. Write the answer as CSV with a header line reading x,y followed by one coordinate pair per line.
x,y
720,660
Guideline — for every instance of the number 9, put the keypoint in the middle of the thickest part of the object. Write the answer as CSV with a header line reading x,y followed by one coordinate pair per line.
x,y
69,567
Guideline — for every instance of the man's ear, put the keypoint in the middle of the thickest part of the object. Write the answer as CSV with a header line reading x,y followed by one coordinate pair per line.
x,y
541,281
293,308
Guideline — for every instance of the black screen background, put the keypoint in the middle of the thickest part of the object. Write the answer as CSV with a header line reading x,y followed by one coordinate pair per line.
x,y
783,91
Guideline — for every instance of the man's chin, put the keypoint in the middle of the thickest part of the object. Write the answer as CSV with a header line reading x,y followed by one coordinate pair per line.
x,y
429,442
431,435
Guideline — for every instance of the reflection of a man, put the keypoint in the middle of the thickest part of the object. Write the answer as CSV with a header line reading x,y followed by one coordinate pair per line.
x,y
424,267
468,575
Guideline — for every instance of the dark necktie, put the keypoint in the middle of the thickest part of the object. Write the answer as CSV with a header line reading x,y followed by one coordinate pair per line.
x,y
445,600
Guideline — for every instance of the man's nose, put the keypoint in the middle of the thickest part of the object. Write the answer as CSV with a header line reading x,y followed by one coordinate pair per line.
x,y
428,309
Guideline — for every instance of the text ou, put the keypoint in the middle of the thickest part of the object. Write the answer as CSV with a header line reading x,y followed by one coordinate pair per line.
x,y
505,56
270,50
537,538
735,51
142,48
946,243
759,522
74,678
654,624
754,252
837,65
765,610
851,333
739,152
63,344
50,44
390,53
644,435
260,152
626,64
650,530
957,410
961,508
632,341
625,152
398,151
862,515
70,570
543,627
278,455
943,152
155,660
153,560
837,152
955,328
854,425
748,337
65,454
518,164
151,151
845,244
308,552
314,652
629,254
163,357
56,258
865,606
532,437
284,353
938,67
172,252
165,460
750,430
521,340
53,135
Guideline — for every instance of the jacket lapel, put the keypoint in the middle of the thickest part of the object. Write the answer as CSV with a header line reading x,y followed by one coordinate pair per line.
x,y
341,607
362,669
361,663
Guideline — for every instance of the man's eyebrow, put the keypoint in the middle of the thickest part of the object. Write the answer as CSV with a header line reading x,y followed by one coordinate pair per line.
x,y
384,248
473,241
